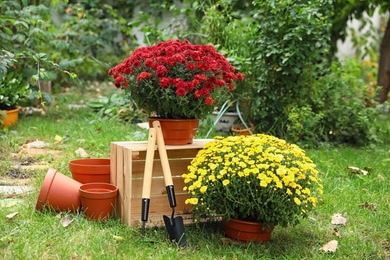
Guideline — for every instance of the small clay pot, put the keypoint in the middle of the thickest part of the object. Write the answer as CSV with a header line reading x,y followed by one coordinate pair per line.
x,y
59,192
246,231
240,129
90,170
177,131
11,119
98,200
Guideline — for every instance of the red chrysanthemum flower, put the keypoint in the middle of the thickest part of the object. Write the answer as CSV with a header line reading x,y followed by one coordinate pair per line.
x,y
180,92
161,70
164,83
197,94
143,75
176,79
208,101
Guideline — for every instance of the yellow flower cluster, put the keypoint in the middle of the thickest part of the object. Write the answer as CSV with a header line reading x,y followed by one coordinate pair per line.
x,y
260,163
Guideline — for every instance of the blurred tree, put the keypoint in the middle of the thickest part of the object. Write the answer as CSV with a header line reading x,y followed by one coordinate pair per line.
x,y
348,9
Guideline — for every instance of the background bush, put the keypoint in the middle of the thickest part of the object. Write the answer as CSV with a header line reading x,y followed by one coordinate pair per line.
x,y
292,90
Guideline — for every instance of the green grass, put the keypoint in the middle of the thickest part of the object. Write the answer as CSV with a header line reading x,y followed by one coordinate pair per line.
x,y
39,235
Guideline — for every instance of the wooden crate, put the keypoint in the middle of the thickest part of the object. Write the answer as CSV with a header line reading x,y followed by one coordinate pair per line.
x,y
127,170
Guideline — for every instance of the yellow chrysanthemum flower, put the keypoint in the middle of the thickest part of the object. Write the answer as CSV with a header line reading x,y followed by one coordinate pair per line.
x,y
262,168
263,184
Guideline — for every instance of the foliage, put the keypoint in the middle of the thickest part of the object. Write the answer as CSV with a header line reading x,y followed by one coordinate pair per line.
x,y
25,30
341,109
232,32
7,60
82,37
117,106
176,79
91,37
291,42
257,178
12,90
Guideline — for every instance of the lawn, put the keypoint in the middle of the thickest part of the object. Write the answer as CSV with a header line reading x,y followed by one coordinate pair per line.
x,y
364,200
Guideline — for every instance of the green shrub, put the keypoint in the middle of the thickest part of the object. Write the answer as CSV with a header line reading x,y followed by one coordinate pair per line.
x,y
292,39
341,110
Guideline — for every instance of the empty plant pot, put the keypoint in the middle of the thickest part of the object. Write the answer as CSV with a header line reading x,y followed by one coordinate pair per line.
x,y
90,170
59,192
97,200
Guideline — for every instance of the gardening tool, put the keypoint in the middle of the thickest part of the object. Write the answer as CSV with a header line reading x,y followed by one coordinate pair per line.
x,y
147,178
174,225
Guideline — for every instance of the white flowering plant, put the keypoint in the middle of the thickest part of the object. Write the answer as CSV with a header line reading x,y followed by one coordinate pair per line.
x,y
257,178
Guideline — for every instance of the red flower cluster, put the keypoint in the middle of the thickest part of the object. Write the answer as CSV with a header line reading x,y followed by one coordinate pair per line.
x,y
176,79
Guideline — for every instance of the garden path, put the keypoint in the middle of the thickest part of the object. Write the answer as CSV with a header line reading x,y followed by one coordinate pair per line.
x,y
16,183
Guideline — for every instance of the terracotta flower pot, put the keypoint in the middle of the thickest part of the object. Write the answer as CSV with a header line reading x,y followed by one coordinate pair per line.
x,y
12,117
90,170
98,199
177,131
59,192
246,231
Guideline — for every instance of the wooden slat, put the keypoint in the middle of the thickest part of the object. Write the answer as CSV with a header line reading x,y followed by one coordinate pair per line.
x,y
178,167
157,219
161,204
158,186
113,165
128,183
119,180
113,174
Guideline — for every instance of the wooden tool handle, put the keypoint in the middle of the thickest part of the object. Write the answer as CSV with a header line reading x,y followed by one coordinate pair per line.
x,y
163,154
149,164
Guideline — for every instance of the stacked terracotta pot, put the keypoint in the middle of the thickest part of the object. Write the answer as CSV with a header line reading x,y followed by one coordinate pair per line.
x,y
89,189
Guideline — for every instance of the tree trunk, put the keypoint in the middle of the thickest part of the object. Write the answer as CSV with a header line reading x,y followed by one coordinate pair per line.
x,y
384,66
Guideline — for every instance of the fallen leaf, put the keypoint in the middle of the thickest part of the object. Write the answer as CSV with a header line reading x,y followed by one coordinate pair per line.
x,y
66,221
81,153
338,219
9,216
370,206
336,232
330,247
58,139
356,170
226,241
117,238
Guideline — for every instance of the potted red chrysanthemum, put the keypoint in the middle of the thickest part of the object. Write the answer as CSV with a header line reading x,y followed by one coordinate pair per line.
x,y
176,80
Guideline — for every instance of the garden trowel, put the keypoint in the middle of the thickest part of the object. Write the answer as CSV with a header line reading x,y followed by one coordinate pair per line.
x,y
147,178
174,225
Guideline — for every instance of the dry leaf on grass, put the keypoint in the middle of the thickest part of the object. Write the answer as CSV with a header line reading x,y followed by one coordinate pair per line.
x,y
9,216
58,139
82,153
66,221
336,232
330,247
117,238
338,219
370,206
226,241
356,170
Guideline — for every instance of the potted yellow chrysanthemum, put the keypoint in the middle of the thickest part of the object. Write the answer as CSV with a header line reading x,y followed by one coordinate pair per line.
x,y
257,178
